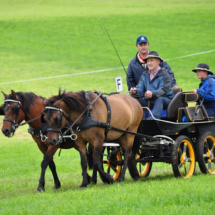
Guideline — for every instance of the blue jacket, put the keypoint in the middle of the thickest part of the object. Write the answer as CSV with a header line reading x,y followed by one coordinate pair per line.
x,y
159,86
136,69
206,90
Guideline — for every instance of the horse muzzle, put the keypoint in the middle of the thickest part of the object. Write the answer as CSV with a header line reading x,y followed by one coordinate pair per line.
x,y
8,132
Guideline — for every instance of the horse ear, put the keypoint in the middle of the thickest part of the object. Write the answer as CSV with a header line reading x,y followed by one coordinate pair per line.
x,y
59,92
64,91
1,110
5,95
13,94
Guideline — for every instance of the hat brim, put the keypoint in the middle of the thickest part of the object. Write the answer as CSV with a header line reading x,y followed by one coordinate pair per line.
x,y
203,69
153,56
142,42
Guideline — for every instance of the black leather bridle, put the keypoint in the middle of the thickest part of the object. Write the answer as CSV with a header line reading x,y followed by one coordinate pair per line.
x,y
59,119
16,109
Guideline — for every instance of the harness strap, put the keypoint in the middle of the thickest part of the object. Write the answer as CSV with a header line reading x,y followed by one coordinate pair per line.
x,y
82,114
109,114
36,131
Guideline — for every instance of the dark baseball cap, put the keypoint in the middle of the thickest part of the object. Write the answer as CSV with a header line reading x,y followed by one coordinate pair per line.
x,y
142,39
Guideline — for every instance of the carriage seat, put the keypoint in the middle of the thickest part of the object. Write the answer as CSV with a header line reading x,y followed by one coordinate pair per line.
x,y
177,102
194,113
172,110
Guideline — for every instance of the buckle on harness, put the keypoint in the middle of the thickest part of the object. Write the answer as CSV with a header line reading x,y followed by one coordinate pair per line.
x,y
108,126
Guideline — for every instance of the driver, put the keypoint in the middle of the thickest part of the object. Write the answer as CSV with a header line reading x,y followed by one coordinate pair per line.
x,y
155,84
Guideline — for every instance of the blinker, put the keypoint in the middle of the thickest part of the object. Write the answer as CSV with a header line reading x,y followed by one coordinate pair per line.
x,y
7,106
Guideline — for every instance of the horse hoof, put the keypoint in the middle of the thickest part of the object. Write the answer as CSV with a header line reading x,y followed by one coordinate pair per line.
x,y
120,180
39,189
93,181
56,187
111,180
82,186
136,178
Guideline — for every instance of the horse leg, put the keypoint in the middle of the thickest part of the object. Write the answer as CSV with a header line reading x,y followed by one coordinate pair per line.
x,y
128,158
46,160
81,147
54,173
132,167
97,166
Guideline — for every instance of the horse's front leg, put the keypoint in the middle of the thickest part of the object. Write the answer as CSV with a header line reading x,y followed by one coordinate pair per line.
x,y
54,173
46,161
81,147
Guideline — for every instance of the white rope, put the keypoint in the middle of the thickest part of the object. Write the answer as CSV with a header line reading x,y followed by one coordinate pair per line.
x,y
103,70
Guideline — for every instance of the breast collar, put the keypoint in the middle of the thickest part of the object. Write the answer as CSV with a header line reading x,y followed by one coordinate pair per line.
x,y
37,131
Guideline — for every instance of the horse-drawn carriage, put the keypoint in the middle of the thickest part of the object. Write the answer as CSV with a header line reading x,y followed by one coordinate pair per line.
x,y
181,137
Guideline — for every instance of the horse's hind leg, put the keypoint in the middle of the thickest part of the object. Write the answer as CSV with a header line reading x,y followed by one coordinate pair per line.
x,y
97,166
127,143
132,167
54,173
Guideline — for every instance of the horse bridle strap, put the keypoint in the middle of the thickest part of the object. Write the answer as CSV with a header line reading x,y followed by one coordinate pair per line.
x,y
14,121
12,100
14,124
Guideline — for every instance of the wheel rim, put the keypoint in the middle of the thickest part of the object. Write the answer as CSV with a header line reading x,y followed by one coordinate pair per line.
x,y
186,159
208,155
143,168
110,164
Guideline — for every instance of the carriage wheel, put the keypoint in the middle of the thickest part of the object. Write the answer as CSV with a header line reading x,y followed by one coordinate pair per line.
x,y
183,157
206,152
112,161
144,169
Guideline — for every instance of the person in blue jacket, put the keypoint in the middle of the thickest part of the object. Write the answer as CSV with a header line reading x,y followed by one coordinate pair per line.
x,y
138,65
206,88
154,85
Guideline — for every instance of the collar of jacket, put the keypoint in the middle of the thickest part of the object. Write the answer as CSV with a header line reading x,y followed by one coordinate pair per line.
x,y
160,73
210,76
140,62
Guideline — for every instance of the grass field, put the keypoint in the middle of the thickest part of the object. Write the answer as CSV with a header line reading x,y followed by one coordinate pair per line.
x,y
44,38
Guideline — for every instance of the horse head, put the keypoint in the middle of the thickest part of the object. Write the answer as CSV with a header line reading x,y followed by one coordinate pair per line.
x,y
13,112
60,109
56,119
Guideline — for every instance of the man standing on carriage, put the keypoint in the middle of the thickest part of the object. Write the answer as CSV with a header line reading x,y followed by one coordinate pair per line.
x,y
138,65
206,89
154,85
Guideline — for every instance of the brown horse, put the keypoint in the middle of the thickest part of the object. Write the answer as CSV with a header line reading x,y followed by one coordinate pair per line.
x,y
26,106
126,114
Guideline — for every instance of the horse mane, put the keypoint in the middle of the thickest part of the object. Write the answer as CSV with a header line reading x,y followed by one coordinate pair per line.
x,y
75,101
27,99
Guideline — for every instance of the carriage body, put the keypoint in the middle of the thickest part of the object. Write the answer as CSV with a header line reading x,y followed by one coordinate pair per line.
x,y
178,143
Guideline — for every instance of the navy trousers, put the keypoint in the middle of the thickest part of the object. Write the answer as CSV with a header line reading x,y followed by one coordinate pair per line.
x,y
157,105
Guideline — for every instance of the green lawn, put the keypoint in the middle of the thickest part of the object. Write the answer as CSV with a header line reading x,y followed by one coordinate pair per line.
x,y
44,38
